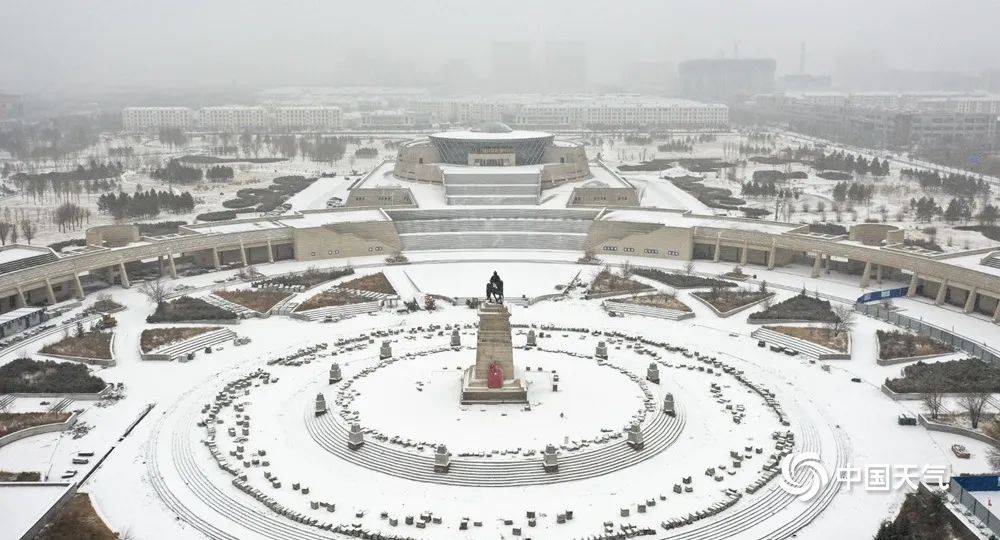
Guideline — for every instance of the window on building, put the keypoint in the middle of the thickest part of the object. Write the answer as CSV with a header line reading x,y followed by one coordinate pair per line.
x,y
628,249
610,248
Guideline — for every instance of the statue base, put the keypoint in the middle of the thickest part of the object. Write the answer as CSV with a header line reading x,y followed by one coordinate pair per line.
x,y
477,391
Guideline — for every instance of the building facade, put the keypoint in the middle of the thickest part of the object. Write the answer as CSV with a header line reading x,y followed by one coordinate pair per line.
x,y
153,118
303,116
232,117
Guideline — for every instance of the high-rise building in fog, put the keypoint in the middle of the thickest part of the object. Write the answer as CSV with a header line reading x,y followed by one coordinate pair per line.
x,y
724,79
511,68
565,66
657,77
10,106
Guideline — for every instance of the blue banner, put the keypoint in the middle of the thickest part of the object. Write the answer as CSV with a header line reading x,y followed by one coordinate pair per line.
x,y
875,296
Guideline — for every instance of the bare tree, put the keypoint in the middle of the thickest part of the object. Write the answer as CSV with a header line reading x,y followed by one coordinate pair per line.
x,y
933,402
974,403
13,233
156,291
689,267
28,228
4,231
992,429
843,319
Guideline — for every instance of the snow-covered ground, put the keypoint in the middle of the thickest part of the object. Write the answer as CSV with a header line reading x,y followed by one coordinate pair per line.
x,y
136,486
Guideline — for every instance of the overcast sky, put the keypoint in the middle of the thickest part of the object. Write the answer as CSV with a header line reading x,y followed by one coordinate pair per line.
x,y
65,44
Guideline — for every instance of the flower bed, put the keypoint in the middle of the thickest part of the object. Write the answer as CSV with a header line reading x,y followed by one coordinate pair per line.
x,y
187,308
77,520
725,301
797,308
22,476
88,345
13,422
310,278
260,301
664,301
898,345
26,376
955,376
607,281
377,283
680,281
820,336
330,298
154,338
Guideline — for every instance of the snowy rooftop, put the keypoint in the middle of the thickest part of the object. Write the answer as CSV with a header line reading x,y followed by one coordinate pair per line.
x,y
973,261
515,135
18,252
243,226
21,505
318,219
18,313
678,219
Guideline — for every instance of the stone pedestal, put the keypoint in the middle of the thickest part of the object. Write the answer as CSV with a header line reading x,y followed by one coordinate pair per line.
x,y
494,350
634,435
653,373
385,351
442,459
335,375
355,439
550,459
532,340
320,405
456,339
602,350
668,405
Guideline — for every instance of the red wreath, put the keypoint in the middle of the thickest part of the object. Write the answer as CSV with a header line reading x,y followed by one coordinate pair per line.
x,y
495,378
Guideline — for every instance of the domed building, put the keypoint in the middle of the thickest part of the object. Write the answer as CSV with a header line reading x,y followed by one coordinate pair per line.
x,y
492,163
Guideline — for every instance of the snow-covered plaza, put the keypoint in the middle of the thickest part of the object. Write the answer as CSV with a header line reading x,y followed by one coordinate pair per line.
x,y
232,447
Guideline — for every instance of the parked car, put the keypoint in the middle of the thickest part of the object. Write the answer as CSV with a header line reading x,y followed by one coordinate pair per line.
x,y
906,420
960,451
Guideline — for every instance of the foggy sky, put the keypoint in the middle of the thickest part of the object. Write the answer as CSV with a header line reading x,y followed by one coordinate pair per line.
x,y
65,45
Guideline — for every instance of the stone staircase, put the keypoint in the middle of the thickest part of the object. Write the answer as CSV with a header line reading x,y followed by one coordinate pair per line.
x,y
60,405
515,187
646,311
337,312
181,349
242,312
799,345
992,260
659,433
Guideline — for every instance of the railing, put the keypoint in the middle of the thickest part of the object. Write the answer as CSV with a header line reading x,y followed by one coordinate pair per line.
x,y
974,348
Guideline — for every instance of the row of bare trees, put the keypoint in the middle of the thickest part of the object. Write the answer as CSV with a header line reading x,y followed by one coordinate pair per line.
x,y
13,231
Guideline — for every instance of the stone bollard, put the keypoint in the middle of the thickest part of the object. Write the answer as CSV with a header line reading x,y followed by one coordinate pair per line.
x,y
653,373
442,459
335,375
668,405
532,340
320,405
602,350
456,339
555,383
635,437
385,351
550,459
355,439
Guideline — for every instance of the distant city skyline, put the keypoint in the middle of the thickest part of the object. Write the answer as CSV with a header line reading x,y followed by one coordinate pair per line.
x,y
253,44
